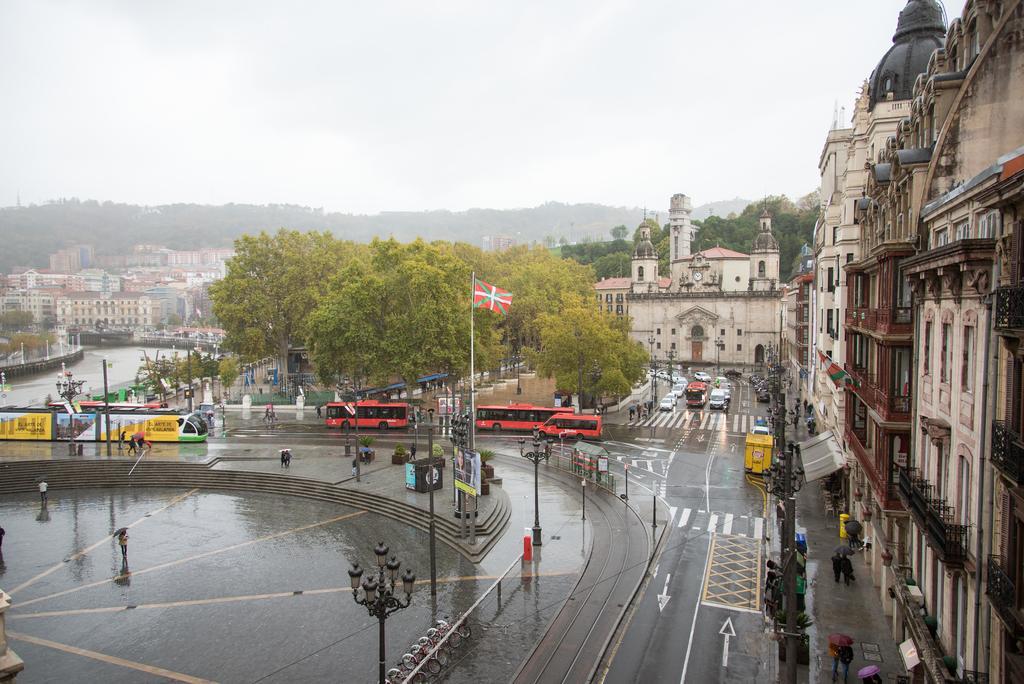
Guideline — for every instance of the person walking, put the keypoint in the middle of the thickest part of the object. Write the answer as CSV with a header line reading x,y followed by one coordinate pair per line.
x,y
845,658
319,411
833,653
846,565
837,565
1,541
355,466
121,440
122,540
131,446
42,491
632,412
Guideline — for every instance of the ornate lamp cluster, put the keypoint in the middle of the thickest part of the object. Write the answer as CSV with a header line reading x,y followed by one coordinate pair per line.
x,y
536,456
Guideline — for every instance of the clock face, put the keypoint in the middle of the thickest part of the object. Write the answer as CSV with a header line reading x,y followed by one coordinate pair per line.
x,y
697,276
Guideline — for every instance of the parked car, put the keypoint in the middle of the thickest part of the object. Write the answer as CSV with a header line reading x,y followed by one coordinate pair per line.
x,y
702,376
718,400
762,396
668,403
679,388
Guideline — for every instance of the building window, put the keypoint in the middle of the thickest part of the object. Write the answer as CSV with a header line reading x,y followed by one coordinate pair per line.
x,y
760,269
967,363
926,362
988,225
672,346
722,332
657,331
963,230
739,332
640,273
739,347
673,331
608,297
941,238
947,352
828,322
659,345
618,309
835,234
831,279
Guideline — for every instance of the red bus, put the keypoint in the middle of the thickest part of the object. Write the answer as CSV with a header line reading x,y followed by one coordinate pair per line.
x,y
514,416
372,414
572,426
696,394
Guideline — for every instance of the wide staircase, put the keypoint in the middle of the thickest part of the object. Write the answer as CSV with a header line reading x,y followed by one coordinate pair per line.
x,y
65,475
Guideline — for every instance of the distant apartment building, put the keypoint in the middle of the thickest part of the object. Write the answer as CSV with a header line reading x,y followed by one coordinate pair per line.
x,y
40,302
498,243
72,259
30,279
798,329
134,310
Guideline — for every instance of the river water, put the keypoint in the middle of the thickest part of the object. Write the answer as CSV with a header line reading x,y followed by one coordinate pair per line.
x,y
124,364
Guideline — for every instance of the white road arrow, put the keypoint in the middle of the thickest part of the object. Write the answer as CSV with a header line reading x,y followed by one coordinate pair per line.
x,y
663,597
726,632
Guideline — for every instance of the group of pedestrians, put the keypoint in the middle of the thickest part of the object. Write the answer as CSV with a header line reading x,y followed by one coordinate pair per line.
x,y
136,443
640,411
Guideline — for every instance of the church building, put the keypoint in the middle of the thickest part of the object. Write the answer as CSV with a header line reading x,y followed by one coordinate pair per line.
x,y
717,306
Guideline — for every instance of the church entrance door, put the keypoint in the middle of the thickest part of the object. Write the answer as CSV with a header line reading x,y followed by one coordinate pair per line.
x,y
698,351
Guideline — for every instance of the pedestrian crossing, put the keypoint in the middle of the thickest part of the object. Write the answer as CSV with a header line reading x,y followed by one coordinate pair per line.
x,y
700,522
700,420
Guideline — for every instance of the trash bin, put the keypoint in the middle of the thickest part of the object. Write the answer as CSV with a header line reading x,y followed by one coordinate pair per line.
x,y
843,517
801,542
424,481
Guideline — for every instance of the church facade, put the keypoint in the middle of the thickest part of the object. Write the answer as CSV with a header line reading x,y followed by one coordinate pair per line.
x,y
716,307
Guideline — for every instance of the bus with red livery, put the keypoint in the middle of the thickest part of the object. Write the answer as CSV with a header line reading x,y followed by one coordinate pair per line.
x,y
379,415
575,426
522,417
696,394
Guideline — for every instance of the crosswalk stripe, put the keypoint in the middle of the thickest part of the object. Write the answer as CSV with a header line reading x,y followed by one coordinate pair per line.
x,y
704,422
649,466
680,420
633,464
713,522
727,526
685,517
672,514
736,423
758,528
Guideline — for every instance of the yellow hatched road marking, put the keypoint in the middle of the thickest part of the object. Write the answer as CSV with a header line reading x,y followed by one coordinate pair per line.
x,y
733,575
198,556
29,582
112,660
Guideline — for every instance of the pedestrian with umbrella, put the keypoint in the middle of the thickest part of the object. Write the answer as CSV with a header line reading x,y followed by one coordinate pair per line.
x,y
837,565
836,643
870,675
853,530
122,540
843,550
846,566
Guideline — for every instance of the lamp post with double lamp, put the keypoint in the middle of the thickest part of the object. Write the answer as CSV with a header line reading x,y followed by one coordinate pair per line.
x,y
378,593
536,456
719,347
671,354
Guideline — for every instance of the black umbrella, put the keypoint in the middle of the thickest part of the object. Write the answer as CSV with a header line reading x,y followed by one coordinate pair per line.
x,y
843,550
853,527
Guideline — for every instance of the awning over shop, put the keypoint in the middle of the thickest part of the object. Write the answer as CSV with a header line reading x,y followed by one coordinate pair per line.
x,y
821,456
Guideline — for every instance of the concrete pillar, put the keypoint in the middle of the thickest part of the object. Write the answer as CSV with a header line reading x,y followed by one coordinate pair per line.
x,y
246,401
300,402
10,663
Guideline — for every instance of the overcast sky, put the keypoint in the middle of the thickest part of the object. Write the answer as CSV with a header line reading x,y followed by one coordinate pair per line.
x,y
370,106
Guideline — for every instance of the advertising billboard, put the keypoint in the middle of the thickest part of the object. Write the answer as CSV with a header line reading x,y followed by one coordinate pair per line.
x,y
25,425
467,471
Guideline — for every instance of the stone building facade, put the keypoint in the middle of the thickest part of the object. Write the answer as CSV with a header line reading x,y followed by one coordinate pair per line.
x,y
717,306
131,310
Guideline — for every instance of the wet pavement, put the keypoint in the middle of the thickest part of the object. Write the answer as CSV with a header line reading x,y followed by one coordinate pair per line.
x,y
245,587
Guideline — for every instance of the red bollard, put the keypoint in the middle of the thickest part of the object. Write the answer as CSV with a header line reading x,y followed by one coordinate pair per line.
x,y
528,545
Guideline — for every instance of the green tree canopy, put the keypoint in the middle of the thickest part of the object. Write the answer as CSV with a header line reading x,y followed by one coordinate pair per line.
x,y
272,285
588,350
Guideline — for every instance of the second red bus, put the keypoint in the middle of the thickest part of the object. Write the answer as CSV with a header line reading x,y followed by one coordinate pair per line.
x,y
372,414
514,416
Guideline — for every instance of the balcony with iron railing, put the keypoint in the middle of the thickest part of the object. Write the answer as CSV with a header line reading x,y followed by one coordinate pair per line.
x,y
895,321
930,512
885,490
1008,451
1010,308
1002,594
891,404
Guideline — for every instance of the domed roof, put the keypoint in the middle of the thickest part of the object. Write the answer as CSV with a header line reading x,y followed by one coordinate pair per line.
x,y
919,32
645,248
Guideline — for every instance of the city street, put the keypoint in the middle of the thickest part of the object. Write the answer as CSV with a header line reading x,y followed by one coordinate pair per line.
x,y
700,612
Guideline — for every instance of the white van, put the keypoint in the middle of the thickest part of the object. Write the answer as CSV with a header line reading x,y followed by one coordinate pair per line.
x,y
718,400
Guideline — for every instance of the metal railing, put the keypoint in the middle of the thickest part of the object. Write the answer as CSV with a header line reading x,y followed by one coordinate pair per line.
x,y
1008,451
1010,308
1002,594
933,515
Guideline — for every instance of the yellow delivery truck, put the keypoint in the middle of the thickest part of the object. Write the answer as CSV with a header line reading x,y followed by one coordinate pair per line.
x,y
759,454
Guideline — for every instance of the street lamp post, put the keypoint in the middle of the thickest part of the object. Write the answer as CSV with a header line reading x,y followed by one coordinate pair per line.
x,y
719,346
671,353
654,373
433,531
379,596
536,456
783,479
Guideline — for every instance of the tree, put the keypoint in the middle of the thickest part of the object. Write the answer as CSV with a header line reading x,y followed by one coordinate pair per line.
x,y
16,320
588,350
614,265
228,371
272,285
403,313
620,232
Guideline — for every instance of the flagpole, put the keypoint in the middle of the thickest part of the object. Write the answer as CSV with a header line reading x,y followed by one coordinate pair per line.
x,y
472,363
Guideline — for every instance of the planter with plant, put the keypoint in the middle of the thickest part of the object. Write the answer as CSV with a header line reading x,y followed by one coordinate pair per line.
x,y
438,454
803,621
399,456
366,452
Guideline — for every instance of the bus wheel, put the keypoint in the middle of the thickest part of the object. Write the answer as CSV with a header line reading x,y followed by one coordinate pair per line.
x,y
383,425
496,427
578,436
